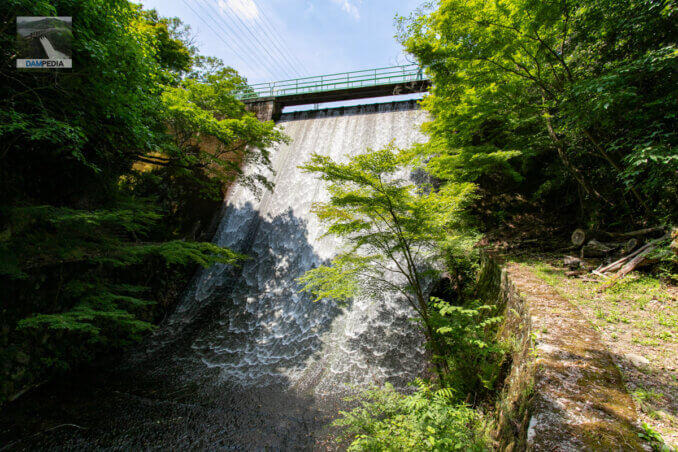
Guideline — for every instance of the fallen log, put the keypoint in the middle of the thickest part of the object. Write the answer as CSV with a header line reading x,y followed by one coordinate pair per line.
x,y
633,262
616,265
603,249
640,232
580,236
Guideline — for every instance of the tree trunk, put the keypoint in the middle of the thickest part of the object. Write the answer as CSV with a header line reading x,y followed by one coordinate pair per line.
x,y
574,172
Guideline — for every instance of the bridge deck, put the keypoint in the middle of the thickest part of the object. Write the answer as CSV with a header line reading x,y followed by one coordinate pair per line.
x,y
392,89
356,81
268,99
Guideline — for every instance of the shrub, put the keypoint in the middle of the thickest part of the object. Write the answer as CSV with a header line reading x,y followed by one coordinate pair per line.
x,y
473,356
426,420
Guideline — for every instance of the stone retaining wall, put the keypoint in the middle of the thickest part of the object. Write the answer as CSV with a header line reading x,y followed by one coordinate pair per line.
x,y
563,391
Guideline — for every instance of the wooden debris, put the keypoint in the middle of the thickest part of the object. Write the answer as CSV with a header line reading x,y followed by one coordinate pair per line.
x,y
578,237
581,236
605,244
639,256
641,232
616,265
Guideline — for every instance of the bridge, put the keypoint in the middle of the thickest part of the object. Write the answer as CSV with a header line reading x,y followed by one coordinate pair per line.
x,y
268,99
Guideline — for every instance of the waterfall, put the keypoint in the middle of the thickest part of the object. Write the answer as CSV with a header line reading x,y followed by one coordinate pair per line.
x,y
265,331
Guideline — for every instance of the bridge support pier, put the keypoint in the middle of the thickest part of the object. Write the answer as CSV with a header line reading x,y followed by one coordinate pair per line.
x,y
265,110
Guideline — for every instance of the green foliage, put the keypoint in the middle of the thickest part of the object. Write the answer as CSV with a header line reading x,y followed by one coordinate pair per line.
x,y
41,236
426,420
654,439
646,398
392,227
394,231
108,173
389,225
213,133
558,92
338,281
473,355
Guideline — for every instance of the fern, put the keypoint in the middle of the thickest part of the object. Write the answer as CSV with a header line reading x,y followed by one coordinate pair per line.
x,y
423,421
473,355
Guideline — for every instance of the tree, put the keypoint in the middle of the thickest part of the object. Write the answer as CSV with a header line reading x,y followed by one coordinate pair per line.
x,y
579,79
87,239
394,231
212,132
211,138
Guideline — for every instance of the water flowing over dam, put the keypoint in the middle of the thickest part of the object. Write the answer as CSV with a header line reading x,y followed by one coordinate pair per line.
x,y
246,362
268,332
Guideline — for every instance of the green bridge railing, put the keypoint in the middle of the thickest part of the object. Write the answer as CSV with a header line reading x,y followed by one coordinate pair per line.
x,y
332,82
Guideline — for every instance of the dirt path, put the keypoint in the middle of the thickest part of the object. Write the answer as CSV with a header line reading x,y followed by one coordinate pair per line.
x,y
580,401
638,322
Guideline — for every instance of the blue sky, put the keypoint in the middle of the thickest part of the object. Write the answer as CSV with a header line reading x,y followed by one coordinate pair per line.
x,y
325,36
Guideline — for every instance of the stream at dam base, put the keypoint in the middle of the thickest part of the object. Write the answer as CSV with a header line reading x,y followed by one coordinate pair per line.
x,y
246,361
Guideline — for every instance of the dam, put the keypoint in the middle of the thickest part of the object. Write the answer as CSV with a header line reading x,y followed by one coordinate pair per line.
x,y
246,361
267,331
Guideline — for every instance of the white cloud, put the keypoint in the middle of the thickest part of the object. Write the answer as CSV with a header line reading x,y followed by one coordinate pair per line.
x,y
245,9
350,7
